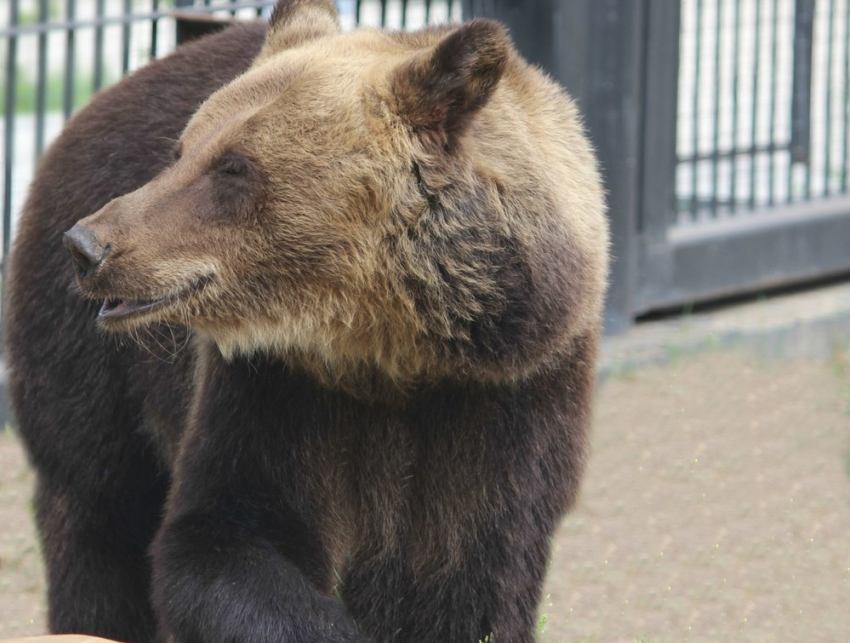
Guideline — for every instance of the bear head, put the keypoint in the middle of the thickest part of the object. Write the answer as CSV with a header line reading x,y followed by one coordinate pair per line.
x,y
413,205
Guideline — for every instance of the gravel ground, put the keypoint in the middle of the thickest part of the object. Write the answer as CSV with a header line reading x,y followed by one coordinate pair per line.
x,y
716,508
22,604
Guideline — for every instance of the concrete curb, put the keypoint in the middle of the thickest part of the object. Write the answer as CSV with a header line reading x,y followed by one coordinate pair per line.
x,y
810,324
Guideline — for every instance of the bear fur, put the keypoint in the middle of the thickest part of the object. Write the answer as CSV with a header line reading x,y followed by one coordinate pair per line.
x,y
348,329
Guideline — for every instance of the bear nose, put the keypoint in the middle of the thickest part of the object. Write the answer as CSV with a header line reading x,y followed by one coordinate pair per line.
x,y
85,249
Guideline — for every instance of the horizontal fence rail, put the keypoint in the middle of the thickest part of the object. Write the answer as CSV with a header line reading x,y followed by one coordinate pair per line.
x,y
55,54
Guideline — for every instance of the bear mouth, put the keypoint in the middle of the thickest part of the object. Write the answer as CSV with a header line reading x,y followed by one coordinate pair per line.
x,y
117,309
121,309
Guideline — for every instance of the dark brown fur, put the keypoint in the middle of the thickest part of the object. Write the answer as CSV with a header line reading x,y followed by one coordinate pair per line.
x,y
382,415
98,413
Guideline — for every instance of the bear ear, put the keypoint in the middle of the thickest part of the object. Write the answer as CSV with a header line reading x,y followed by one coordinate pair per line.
x,y
294,22
439,91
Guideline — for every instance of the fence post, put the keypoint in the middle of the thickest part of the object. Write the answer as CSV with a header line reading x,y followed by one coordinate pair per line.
x,y
658,207
801,88
190,26
595,48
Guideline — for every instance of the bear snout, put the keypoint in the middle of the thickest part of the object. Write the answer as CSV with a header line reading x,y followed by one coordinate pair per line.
x,y
85,249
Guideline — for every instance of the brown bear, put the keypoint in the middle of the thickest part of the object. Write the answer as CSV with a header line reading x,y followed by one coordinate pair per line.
x,y
389,250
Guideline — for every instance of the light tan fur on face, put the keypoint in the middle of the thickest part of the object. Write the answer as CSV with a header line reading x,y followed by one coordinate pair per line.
x,y
330,265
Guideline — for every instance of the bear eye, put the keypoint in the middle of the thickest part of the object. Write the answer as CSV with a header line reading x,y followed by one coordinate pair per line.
x,y
232,166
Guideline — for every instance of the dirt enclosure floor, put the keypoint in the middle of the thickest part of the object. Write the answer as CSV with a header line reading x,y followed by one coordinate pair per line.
x,y
716,508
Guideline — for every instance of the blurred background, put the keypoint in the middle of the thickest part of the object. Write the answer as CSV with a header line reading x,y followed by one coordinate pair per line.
x,y
717,505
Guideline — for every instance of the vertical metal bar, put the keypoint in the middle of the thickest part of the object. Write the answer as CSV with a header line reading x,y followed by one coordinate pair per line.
x,y
450,8
617,47
403,14
827,143
755,105
695,107
658,147
155,30
715,161
41,80
100,9
357,7
801,118
384,13
658,162
791,142
736,81
771,188
846,103
70,59
125,39
9,129
182,33
427,12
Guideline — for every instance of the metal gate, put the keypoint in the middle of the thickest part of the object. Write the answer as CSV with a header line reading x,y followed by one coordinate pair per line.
x,y
752,192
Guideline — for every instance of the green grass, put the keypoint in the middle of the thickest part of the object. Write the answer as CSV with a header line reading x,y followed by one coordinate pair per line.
x,y
541,628
29,14
26,90
541,624
26,86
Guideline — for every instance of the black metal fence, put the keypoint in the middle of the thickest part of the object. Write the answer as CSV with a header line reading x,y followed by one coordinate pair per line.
x,y
763,105
760,190
723,126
